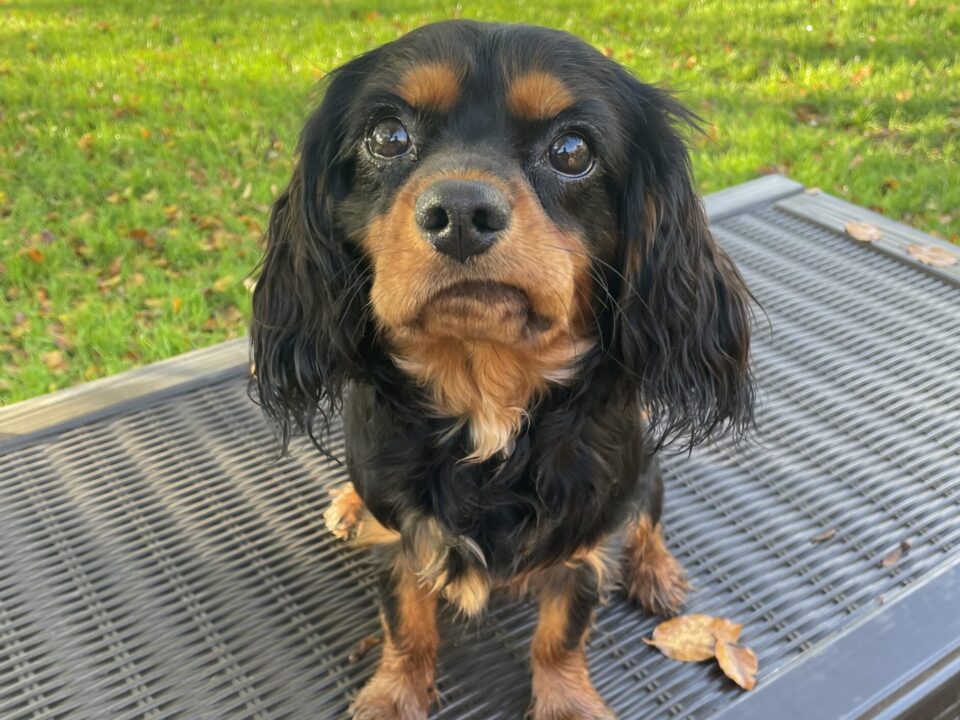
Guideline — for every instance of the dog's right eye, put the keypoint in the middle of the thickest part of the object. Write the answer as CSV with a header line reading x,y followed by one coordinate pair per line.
x,y
389,138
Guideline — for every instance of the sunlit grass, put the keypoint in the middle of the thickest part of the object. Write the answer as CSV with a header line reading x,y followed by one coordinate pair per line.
x,y
142,143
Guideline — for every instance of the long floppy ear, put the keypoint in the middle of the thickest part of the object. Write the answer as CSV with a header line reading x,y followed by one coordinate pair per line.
x,y
308,328
683,321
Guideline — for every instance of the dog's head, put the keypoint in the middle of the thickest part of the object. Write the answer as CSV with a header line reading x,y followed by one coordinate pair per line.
x,y
511,187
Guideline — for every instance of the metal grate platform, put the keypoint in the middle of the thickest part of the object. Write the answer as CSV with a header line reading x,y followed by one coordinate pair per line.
x,y
157,561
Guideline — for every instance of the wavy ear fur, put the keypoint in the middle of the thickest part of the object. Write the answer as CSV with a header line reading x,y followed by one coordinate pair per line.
x,y
309,327
683,322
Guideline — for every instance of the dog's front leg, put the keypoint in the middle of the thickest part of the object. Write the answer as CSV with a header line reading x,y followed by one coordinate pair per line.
x,y
402,687
562,689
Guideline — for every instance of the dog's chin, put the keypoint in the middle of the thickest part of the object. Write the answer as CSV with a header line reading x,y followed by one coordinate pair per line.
x,y
483,311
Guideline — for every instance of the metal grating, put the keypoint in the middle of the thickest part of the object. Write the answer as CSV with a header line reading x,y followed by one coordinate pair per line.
x,y
161,563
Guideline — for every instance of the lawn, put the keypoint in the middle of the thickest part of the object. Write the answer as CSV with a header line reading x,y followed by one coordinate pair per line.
x,y
141,144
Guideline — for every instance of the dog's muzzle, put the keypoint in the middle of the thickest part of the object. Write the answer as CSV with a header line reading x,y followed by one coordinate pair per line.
x,y
462,218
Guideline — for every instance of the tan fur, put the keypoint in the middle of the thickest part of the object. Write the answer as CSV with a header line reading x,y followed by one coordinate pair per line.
x,y
538,95
402,687
561,681
348,519
431,551
652,575
599,560
433,86
480,361
470,592
542,580
489,386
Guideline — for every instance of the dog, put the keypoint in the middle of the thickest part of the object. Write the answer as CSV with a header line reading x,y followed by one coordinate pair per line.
x,y
492,261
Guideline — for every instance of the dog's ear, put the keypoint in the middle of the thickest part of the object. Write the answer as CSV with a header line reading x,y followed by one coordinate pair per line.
x,y
683,316
308,330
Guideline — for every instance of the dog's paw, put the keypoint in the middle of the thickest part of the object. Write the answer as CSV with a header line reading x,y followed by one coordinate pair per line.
x,y
384,699
344,513
652,576
660,588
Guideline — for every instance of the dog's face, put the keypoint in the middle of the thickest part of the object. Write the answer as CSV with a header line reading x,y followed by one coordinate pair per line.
x,y
484,181
507,187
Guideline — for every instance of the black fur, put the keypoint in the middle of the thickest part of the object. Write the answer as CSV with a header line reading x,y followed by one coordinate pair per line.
x,y
672,323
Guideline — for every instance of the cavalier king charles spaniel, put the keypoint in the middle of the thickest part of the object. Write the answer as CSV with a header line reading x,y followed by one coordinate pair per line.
x,y
492,262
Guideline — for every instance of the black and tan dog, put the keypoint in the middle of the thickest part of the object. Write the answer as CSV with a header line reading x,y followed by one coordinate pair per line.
x,y
491,259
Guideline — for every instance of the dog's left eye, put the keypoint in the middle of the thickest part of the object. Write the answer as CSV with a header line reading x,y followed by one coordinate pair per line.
x,y
570,155
389,138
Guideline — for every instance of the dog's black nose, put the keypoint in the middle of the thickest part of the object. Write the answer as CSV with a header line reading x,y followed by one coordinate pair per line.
x,y
461,218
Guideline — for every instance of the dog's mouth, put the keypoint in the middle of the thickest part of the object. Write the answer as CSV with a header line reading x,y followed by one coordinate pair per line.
x,y
486,292
482,309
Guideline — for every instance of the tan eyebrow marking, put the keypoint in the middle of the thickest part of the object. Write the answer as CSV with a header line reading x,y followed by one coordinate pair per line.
x,y
538,95
431,85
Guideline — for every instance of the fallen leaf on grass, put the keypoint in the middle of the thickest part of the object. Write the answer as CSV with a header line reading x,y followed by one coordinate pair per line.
x,y
864,232
808,114
738,663
223,284
824,536
695,638
933,256
363,647
34,255
54,360
84,218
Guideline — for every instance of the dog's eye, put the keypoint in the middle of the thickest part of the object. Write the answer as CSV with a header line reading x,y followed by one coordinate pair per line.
x,y
388,138
570,155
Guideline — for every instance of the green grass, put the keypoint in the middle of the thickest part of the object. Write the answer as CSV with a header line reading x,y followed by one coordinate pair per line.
x,y
141,144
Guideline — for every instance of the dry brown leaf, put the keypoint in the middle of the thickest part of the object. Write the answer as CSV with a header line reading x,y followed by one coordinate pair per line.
x,y
824,536
223,284
693,638
808,114
893,557
54,360
738,663
864,232
933,256
84,218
